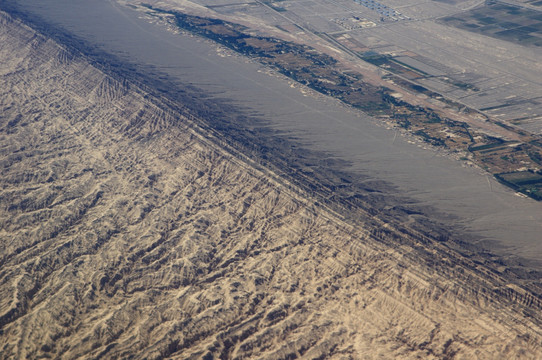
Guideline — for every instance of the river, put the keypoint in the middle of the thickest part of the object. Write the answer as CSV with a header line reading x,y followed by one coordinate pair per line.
x,y
508,224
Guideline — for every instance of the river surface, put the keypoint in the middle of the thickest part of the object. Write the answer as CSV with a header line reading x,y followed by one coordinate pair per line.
x,y
510,225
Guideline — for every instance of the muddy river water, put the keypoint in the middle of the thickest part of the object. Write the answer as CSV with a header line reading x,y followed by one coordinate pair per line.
x,y
509,224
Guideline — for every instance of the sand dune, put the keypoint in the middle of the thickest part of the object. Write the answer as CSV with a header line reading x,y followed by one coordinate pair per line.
x,y
126,231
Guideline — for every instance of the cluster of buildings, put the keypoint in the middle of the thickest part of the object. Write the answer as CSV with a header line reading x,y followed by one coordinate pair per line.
x,y
385,11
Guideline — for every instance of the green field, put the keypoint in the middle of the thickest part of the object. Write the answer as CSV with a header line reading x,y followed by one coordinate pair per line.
x,y
502,21
526,182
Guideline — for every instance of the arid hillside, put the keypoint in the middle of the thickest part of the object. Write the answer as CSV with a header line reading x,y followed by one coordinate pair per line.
x,y
127,232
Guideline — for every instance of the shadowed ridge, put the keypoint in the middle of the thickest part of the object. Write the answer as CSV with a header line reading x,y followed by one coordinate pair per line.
x,y
128,232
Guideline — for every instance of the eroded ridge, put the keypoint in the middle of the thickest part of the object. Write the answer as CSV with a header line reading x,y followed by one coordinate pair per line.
x,y
127,232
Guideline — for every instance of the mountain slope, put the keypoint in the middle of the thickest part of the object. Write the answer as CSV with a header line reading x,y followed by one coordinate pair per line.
x,y
128,232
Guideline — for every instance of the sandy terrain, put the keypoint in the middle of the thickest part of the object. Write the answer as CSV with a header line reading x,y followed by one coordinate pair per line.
x,y
127,232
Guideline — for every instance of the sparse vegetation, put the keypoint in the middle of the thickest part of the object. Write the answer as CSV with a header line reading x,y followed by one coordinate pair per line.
x,y
323,74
